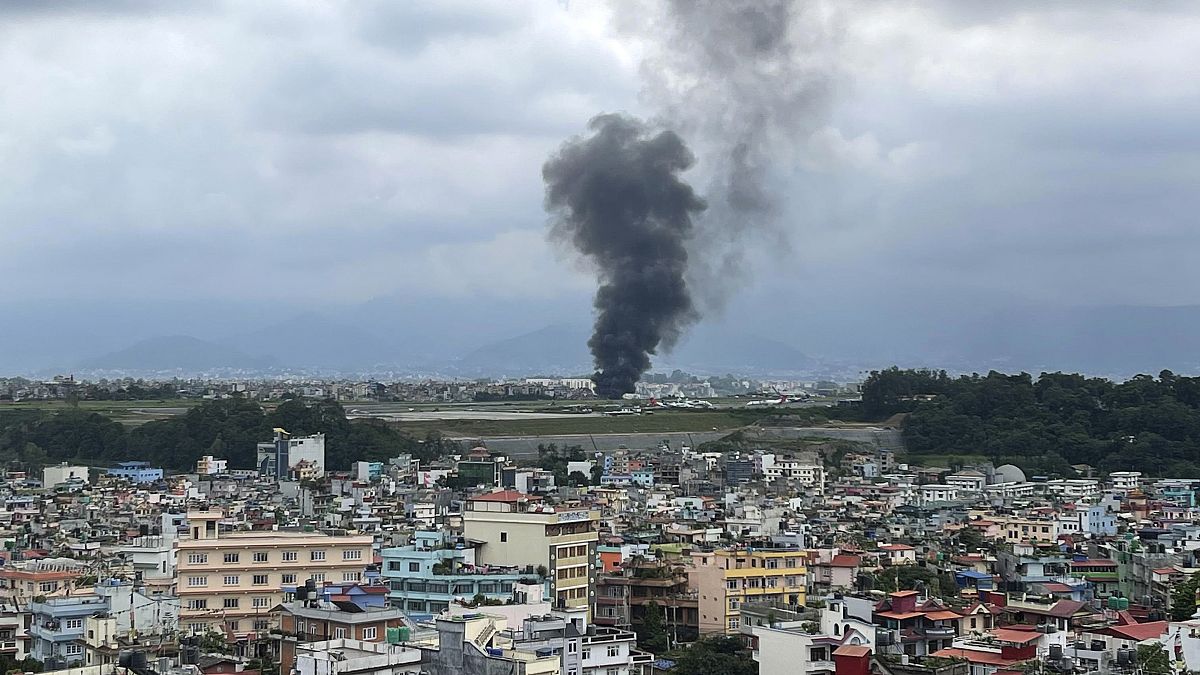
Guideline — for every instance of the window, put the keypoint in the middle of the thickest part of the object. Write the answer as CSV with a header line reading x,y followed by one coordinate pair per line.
x,y
198,603
414,567
260,602
318,577
587,653
231,580
260,556
47,586
369,633
73,624
261,579
733,624
197,581
231,558
339,633
197,558
317,556
352,554
731,585
612,671
232,625
289,556
351,576
614,650
197,628
503,537
790,562
261,624
572,647
231,603
288,579
73,649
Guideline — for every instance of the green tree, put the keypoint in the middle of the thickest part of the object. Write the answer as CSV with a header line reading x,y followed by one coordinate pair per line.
x,y
652,632
1153,660
1183,599
714,656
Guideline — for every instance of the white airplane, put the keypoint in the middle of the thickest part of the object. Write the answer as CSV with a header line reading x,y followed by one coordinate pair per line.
x,y
783,399
624,411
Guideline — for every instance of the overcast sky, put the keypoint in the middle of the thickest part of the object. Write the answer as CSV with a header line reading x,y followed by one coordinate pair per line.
x,y
329,153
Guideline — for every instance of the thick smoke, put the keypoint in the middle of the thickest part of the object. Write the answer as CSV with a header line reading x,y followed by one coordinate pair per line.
x,y
747,82
616,195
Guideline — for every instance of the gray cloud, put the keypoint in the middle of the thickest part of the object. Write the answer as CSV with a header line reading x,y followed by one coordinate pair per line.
x,y
971,155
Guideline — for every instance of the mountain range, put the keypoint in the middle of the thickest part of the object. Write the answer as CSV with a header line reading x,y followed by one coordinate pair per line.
x,y
424,337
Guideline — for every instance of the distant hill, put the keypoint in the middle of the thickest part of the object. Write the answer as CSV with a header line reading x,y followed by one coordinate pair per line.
x,y
313,341
558,348
562,348
176,353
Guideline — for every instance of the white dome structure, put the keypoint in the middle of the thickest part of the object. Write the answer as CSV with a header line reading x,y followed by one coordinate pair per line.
x,y
1008,473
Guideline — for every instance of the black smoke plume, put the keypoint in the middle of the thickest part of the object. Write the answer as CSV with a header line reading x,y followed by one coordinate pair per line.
x,y
746,82
616,195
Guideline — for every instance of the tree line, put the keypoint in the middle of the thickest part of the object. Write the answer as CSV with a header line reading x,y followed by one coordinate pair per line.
x,y
1048,423
229,428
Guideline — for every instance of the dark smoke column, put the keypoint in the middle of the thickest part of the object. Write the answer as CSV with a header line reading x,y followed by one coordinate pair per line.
x,y
616,196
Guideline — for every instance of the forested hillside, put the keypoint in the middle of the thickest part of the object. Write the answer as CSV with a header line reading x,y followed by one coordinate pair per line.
x,y
228,428
1048,423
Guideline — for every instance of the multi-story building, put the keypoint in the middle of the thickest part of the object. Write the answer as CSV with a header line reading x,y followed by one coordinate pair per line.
x,y
1018,529
281,456
429,575
1074,488
728,577
517,530
968,480
19,585
1125,480
307,620
798,471
14,632
932,493
211,466
56,628
229,582
624,597
60,474
136,472
582,649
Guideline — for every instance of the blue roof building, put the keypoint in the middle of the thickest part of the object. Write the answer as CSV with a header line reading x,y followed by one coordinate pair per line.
x,y
56,628
136,472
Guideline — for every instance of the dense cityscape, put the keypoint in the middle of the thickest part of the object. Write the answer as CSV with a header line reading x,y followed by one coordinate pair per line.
x,y
810,538
599,337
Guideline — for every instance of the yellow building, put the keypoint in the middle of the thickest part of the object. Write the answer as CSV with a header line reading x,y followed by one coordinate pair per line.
x,y
727,578
517,530
229,581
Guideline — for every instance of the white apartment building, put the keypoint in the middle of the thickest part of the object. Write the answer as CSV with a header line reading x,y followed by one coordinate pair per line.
x,y
802,472
1011,490
933,493
970,481
211,466
1074,489
59,474
1125,480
